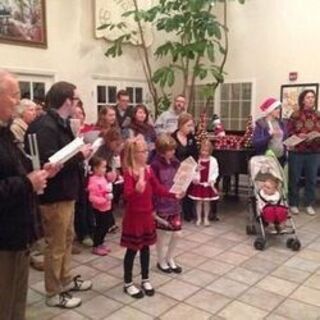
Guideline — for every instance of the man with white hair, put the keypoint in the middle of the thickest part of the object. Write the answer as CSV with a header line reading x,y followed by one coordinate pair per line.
x,y
17,189
26,113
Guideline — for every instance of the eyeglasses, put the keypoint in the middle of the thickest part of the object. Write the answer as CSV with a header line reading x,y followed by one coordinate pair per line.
x,y
143,151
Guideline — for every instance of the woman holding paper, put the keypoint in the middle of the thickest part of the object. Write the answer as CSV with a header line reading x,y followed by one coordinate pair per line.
x,y
186,147
304,157
269,132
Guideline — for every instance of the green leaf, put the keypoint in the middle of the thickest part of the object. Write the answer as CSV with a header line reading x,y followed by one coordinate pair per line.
x,y
104,26
170,77
210,52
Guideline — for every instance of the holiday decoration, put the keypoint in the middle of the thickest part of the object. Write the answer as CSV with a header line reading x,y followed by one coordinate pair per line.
x,y
247,138
234,142
201,132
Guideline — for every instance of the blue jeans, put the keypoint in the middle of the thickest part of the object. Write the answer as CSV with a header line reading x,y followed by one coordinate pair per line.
x,y
307,164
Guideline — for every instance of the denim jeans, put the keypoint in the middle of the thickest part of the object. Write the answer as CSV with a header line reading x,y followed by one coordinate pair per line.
x,y
307,164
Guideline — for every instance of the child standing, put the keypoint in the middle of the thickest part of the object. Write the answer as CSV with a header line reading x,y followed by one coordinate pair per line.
x,y
100,197
168,219
202,189
138,226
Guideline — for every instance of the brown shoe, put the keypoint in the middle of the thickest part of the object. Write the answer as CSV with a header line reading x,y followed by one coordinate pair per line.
x,y
36,264
76,249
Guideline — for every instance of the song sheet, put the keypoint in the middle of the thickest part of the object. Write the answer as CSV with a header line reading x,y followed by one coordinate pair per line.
x,y
184,175
67,152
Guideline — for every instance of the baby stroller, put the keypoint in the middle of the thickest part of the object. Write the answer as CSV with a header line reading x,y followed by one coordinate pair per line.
x,y
259,168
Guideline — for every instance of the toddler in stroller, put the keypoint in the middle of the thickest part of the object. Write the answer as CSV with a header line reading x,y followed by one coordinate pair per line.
x,y
271,205
269,212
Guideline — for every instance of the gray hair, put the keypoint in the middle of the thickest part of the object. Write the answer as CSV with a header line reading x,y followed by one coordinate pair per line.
x,y
23,105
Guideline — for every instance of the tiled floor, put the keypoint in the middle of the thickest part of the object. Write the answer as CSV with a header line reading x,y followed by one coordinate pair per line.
x,y
223,278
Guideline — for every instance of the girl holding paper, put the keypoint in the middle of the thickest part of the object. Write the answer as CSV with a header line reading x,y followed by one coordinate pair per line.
x,y
168,211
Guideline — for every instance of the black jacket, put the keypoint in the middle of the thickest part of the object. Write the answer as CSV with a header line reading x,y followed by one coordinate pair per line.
x,y
53,133
16,196
191,149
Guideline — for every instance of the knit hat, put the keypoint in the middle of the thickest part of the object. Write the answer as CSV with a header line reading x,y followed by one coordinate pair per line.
x,y
269,105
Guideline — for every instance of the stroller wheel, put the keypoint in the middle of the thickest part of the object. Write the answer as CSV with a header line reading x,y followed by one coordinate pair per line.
x,y
290,241
251,229
259,244
296,245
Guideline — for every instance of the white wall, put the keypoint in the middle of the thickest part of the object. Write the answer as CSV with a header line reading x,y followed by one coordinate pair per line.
x,y
73,54
270,38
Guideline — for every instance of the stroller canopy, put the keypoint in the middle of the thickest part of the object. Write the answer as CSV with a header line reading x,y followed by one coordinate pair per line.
x,y
260,166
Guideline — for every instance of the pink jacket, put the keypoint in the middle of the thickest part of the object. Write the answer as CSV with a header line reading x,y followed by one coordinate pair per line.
x,y
100,193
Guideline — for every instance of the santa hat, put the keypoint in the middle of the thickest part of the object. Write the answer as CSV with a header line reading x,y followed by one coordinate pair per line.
x,y
269,105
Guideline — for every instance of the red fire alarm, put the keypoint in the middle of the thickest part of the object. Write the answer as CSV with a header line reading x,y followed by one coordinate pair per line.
x,y
293,76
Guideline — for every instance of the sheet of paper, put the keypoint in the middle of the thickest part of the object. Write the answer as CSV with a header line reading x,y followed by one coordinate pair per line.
x,y
184,175
95,146
313,135
293,141
67,152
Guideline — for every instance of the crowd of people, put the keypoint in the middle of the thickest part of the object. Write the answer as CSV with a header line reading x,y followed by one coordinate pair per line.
x,y
132,171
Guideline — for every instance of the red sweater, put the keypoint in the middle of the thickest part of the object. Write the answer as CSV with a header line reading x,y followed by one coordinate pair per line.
x,y
305,121
143,202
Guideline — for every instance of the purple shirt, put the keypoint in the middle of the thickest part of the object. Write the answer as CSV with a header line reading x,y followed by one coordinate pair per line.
x,y
165,173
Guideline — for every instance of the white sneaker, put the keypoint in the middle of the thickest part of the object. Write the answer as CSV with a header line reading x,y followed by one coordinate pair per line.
x,y
198,223
77,284
88,242
206,223
310,211
294,210
63,300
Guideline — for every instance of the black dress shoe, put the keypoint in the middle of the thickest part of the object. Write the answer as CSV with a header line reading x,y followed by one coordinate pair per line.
x,y
165,270
177,269
137,295
147,292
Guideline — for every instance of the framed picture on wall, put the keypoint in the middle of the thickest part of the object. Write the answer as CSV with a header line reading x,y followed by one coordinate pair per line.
x,y
290,93
23,22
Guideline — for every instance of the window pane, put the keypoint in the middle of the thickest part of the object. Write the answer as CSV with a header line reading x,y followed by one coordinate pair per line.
x,y
225,123
101,94
235,91
244,124
224,113
225,92
235,109
139,95
234,125
246,91
112,94
38,91
130,91
25,89
246,109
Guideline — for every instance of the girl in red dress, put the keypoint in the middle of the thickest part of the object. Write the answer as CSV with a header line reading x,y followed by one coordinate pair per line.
x,y
202,189
138,226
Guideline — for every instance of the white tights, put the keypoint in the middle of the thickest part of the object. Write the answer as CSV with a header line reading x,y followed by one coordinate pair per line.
x,y
165,257
205,206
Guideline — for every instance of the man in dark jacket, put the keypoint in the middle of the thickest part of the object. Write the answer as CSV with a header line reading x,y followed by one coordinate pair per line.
x,y
16,205
58,200
123,110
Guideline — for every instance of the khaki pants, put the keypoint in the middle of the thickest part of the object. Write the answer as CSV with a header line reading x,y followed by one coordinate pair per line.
x,y
14,271
57,220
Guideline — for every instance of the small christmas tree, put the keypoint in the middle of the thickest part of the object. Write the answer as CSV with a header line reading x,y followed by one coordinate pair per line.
x,y
247,137
201,133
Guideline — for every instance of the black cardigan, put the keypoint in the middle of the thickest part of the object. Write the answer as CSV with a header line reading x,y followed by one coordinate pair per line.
x,y
191,149
16,196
